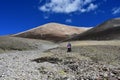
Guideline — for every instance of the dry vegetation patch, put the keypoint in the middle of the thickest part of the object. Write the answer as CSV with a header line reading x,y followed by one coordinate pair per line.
x,y
20,44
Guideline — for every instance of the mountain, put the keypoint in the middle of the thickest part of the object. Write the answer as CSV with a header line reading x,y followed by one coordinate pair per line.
x,y
108,30
52,31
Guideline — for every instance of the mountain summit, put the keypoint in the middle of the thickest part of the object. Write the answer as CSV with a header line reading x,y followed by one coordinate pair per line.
x,y
52,31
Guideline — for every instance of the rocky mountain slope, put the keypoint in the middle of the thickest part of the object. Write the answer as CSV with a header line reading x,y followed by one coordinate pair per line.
x,y
52,31
108,30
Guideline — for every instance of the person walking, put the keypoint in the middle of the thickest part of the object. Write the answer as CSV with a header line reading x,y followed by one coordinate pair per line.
x,y
69,47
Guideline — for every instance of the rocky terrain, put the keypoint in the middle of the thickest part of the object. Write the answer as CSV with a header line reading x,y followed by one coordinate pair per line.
x,y
52,31
89,60
109,30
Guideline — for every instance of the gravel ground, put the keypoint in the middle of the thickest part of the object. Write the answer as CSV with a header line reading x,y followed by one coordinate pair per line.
x,y
81,64
18,65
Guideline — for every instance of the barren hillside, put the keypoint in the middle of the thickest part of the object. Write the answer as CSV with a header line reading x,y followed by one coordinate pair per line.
x,y
20,44
52,31
108,30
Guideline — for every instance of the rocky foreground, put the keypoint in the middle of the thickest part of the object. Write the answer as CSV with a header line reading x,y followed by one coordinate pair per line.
x,y
83,63
17,65
73,66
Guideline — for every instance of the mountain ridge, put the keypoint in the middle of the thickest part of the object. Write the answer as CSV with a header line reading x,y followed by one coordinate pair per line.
x,y
108,30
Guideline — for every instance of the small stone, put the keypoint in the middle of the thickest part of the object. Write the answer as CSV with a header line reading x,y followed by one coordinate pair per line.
x,y
118,77
105,74
111,74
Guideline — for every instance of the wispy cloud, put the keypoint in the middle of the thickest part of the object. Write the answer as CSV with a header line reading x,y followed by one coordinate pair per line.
x,y
68,6
116,10
46,17
68,20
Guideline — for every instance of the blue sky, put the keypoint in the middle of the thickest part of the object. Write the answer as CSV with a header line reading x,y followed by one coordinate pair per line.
x,y
20,15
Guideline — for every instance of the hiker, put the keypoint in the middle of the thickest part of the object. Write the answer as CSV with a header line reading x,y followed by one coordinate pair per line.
x,y
69,47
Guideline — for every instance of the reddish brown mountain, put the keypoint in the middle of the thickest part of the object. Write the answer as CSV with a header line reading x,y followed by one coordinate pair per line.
x,y
52,32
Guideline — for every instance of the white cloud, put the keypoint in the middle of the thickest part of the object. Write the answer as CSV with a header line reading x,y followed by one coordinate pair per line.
x,y
68,20
92,7
68,6
116,10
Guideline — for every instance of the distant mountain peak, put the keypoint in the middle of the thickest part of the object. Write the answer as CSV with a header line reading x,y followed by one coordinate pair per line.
x,y
51,31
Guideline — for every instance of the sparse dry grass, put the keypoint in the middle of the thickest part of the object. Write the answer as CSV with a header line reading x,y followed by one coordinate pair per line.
x,y
15,43
105,52
98,51
12,43
92,42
